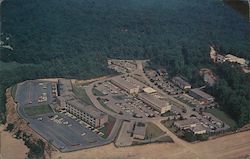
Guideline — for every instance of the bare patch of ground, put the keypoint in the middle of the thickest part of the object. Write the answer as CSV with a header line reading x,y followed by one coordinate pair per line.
x,y
11,148
236,146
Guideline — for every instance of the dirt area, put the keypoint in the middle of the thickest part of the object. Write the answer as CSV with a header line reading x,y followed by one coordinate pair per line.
x,y
13,117
11,148
234,146
85,82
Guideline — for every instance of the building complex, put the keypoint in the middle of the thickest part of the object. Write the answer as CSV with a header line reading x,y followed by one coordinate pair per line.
x,y
78,108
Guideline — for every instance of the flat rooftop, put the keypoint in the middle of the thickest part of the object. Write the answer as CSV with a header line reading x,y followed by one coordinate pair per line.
x,y
150,98
65,87
135,82
140,128
123,82
181,81
91,110
202,94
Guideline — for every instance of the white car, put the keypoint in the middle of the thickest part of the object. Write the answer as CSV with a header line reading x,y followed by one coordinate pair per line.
x,y
83,134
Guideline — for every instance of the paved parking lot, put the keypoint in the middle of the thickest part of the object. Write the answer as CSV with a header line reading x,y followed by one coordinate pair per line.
x,y
64,132
120,101
28,93
66,137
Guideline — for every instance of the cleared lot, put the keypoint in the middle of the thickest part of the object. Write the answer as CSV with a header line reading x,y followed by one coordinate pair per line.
x,y
229,147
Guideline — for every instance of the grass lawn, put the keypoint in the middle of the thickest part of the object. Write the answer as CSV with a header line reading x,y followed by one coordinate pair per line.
x,y
81,93
119,97
37,110
169,113
153,131
96,92
108,127
222,116
101,101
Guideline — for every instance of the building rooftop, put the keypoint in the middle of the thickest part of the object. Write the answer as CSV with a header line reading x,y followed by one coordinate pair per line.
x,y
181,81
65,87
159,103
123,82
149,90
135,82
140,129
198,128
202,94
91,110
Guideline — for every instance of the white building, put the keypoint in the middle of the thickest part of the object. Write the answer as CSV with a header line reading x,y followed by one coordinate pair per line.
x,y
157,104
235,59
125,85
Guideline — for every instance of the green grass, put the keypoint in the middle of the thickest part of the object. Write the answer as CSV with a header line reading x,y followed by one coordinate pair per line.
x,y
223,116
81,93
119,97
169,113
153,131
96,92
101,101
37,110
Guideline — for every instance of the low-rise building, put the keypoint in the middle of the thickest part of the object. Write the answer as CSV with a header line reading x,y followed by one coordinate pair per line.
x,y
201,96
181,83
87,113
187,123
139,130
149,90
157,104
122,83
199,129
65,87
235,59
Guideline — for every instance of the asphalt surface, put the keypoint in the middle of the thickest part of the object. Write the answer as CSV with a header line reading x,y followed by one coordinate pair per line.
x,y
64,137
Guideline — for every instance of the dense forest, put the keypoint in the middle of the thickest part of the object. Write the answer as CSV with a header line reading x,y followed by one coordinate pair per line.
x,y
62,38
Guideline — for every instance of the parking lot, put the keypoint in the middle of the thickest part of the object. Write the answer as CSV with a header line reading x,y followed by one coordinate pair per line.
x,y
121,102
62,129
32,93
122,66
162,83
